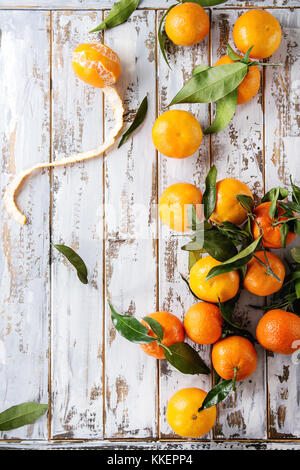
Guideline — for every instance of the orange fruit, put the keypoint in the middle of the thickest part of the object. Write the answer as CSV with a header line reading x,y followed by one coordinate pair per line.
x,y
259,280
183,415
271,235
174,203
173,333
279,331
249,86
96,64
257,28
231,352
227,206
187,24
177,134
224,286
203,323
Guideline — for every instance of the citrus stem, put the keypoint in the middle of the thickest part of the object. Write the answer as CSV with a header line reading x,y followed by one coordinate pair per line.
x,y
274,224
234,377
164,347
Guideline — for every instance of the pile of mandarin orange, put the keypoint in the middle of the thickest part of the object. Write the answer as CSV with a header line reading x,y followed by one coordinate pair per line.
x,y
178,134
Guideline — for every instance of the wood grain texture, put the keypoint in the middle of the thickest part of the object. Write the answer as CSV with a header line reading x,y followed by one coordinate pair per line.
x,y
130,247
98,4
282,105
174,296
77,309
131,398
24,251
237,152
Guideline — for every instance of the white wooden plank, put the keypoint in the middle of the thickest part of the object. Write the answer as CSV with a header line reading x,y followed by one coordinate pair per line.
x,y
282,147
130,247
77,309
97,4
237,153
178,445
174,296
24,251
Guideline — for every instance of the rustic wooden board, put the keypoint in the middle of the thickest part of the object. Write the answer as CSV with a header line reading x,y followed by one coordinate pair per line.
x,y
237,152
282,105
98,4
77,309
24,251
102,386
130,246
174,296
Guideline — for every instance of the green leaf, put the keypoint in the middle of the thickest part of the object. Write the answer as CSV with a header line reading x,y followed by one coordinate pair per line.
x,y
295,253
184,358
212,84
119,13
195,223
75,260
139,118
130,328
246,202
21,415
161,39
217,394
284,230
194,245
245,59
231,54
225,109
273,206
218,245
210,193
271,195
235,233
205,3
194,256
296,192
297,288
297,227
232,264
199,68
155,327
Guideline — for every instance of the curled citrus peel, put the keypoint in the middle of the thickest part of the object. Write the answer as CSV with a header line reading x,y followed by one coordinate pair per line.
x,y
99,66
116,104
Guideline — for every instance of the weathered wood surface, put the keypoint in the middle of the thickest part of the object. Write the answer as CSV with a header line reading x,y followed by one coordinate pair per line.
x,y
98,4
77,191
100,385
24,251
282,140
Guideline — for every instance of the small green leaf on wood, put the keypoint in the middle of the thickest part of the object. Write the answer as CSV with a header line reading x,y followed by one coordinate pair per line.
x,y
212,84
130,328
75,260
138,120
217,394
21,415
210,193
155,327
161,37
119,13
184,358
225,109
